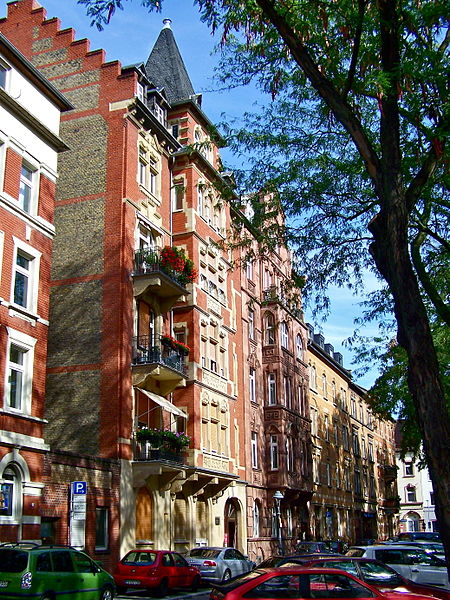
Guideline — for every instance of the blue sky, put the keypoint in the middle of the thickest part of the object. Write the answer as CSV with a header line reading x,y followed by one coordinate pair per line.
x,y
129,38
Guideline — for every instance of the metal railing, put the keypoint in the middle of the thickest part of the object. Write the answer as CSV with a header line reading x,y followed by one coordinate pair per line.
x,y
143,452
150,350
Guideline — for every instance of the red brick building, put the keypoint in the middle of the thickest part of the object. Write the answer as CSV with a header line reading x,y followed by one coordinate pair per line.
x,y
30,109
136,277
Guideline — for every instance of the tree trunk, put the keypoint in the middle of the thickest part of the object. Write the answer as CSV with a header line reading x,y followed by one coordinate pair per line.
x,y
390,252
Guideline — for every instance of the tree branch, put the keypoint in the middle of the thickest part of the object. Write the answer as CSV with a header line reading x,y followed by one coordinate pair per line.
x,y
339,106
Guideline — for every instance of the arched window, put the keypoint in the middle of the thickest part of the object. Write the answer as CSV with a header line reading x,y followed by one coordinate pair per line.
x,y
284,335
299,346
269,329
10,493
256,519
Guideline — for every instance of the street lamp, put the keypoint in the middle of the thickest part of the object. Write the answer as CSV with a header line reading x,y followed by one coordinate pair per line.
x,y
277,497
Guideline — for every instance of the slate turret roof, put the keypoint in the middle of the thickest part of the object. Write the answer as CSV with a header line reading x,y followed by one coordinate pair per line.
x,y
165,67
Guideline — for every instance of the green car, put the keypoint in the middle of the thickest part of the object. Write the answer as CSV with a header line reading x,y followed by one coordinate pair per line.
x,y
49,572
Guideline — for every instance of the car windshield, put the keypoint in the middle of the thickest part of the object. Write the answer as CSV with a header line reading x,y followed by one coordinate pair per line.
x,y
204,553
140,558
373,572
354,552
13,561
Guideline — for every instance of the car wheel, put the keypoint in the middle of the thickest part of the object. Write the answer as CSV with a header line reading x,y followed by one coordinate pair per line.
x,y
46,597
195,584
226,575
107,594
162,589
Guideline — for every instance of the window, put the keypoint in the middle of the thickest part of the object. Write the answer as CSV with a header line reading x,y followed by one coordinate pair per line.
x,y
289,527
252,384
287,393
27,187
249,269
101,528
16,376
148,171
409,469
272,389
314,417
328,473
345,438
289,454
256,519
23,275
178,195
370,450
251,324
7,492
326,426
3,73
269,329
11,485
273,452
19,369
299,347
357,479
410,493
324,385
312,377
200,198
355,442
254,441
284,335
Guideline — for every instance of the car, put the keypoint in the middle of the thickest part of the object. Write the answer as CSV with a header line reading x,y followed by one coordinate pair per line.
x,y
218,564
430,547
414,536
319,547
301,582
290,560
155,570
47,572
373,572
410,561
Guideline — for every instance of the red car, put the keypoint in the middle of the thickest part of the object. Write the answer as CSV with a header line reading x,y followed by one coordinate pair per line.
x,y
155,570
375,573
302,583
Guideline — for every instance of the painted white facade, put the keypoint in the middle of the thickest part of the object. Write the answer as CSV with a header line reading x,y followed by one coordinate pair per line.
x,y
416,496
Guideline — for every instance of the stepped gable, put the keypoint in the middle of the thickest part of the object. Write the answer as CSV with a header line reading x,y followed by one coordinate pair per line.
x,y
165,67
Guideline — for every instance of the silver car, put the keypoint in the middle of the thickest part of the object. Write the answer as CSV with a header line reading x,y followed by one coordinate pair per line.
x,y
408,560
219,564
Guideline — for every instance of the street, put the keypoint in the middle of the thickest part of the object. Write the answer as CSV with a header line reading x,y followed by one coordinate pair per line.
x,y
202,594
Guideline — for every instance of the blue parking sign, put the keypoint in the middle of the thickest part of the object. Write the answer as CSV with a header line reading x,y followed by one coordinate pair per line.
x,y
79,488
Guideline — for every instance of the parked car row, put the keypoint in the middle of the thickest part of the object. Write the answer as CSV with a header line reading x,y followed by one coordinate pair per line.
x,y
47,572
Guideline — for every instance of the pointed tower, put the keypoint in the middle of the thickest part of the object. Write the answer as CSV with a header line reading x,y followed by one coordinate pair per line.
x,y
165,67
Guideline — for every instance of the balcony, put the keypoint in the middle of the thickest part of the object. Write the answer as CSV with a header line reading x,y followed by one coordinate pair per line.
x,y
157,366
274,296
161,273
389,473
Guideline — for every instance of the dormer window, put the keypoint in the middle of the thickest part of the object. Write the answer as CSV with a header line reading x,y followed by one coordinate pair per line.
x,y
159,112
141,92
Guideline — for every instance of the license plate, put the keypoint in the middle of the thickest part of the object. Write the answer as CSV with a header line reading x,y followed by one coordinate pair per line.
x,y
4,584
132,582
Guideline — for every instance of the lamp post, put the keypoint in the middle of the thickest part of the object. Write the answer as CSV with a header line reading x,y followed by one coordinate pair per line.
x,y
277,497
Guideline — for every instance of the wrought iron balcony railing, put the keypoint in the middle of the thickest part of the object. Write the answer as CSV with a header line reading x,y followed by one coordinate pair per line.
x,y
143,452
149,350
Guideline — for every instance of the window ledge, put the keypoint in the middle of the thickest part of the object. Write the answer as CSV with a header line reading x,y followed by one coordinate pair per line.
x,y
13,413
